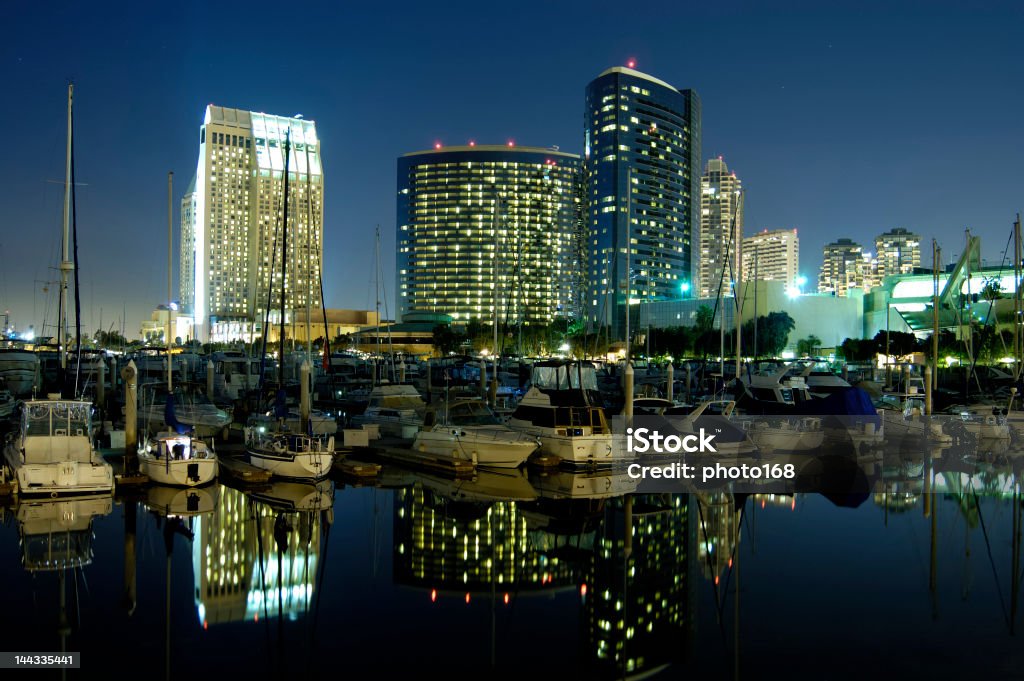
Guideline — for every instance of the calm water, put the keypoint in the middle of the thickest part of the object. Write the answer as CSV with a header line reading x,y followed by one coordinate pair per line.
x,y
431,575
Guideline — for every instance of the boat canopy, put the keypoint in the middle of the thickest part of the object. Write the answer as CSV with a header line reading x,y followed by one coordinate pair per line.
x,y
565,376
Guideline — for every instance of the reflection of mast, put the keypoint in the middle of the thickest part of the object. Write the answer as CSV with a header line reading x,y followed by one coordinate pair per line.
x,y
130,598
1015,560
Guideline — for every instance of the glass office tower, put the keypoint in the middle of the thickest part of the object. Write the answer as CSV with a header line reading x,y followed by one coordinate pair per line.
x,y
640,130
488,226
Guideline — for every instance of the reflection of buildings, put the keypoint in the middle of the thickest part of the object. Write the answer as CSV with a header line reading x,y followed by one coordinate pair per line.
x,y
780,500
250,561
717,534
454,546
639,610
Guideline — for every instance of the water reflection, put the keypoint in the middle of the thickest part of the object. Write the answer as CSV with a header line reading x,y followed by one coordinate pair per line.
x,y
257,555
574,574
56,537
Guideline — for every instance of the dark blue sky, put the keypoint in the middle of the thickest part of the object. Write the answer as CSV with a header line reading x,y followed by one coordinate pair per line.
x,y
841,119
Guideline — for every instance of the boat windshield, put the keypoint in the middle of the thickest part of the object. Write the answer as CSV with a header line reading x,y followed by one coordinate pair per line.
x,y
58,418
565,377
471,414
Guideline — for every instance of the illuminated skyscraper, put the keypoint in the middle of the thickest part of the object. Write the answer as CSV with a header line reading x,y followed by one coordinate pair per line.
x,y
899,252
844,266
231,232
772,256
720,204
638,126
473,220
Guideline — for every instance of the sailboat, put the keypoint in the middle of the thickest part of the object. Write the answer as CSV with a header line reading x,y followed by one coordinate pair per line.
x,y
177,456
285,452
53,451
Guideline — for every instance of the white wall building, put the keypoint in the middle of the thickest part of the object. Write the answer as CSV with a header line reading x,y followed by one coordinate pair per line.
x,y
772,256
719,204
231,222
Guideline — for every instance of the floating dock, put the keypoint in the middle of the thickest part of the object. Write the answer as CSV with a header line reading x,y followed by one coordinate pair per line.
x,y
357,469
458,468
242,472
130,480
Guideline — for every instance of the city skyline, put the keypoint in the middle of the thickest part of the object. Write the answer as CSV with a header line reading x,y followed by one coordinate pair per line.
x,y
820,109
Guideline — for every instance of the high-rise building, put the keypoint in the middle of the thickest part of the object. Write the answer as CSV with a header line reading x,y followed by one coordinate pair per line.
x,y
642,146
772,256
898,251
483,225
720,205
232,219
845,265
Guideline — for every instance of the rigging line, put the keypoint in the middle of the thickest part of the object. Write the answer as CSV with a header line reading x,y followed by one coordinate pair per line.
x,y
991,306
78,297
384,294
323,308
266,312
988,548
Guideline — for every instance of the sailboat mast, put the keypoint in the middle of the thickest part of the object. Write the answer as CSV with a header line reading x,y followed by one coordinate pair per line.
x,y
284,257
167,336
65,263
376,293
1017,339
737,276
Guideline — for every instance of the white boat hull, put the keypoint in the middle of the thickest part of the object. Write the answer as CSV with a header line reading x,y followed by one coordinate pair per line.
x,y
64,478
304,466
578,450
179,473
489,450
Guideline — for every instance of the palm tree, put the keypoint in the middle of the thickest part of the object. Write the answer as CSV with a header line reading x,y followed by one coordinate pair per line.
x,y
809,345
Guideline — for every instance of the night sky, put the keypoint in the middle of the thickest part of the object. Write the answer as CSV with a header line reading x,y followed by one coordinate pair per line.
x,y
841,120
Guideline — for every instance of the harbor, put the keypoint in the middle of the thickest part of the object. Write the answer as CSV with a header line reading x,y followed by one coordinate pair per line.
x,y
565,570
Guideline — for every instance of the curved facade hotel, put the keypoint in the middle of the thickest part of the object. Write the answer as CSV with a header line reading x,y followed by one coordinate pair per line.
x,y
636,121
474,217
231,218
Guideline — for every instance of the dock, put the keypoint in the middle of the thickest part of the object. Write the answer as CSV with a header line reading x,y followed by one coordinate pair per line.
x,y
459,468
130,480
352,468
242,472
